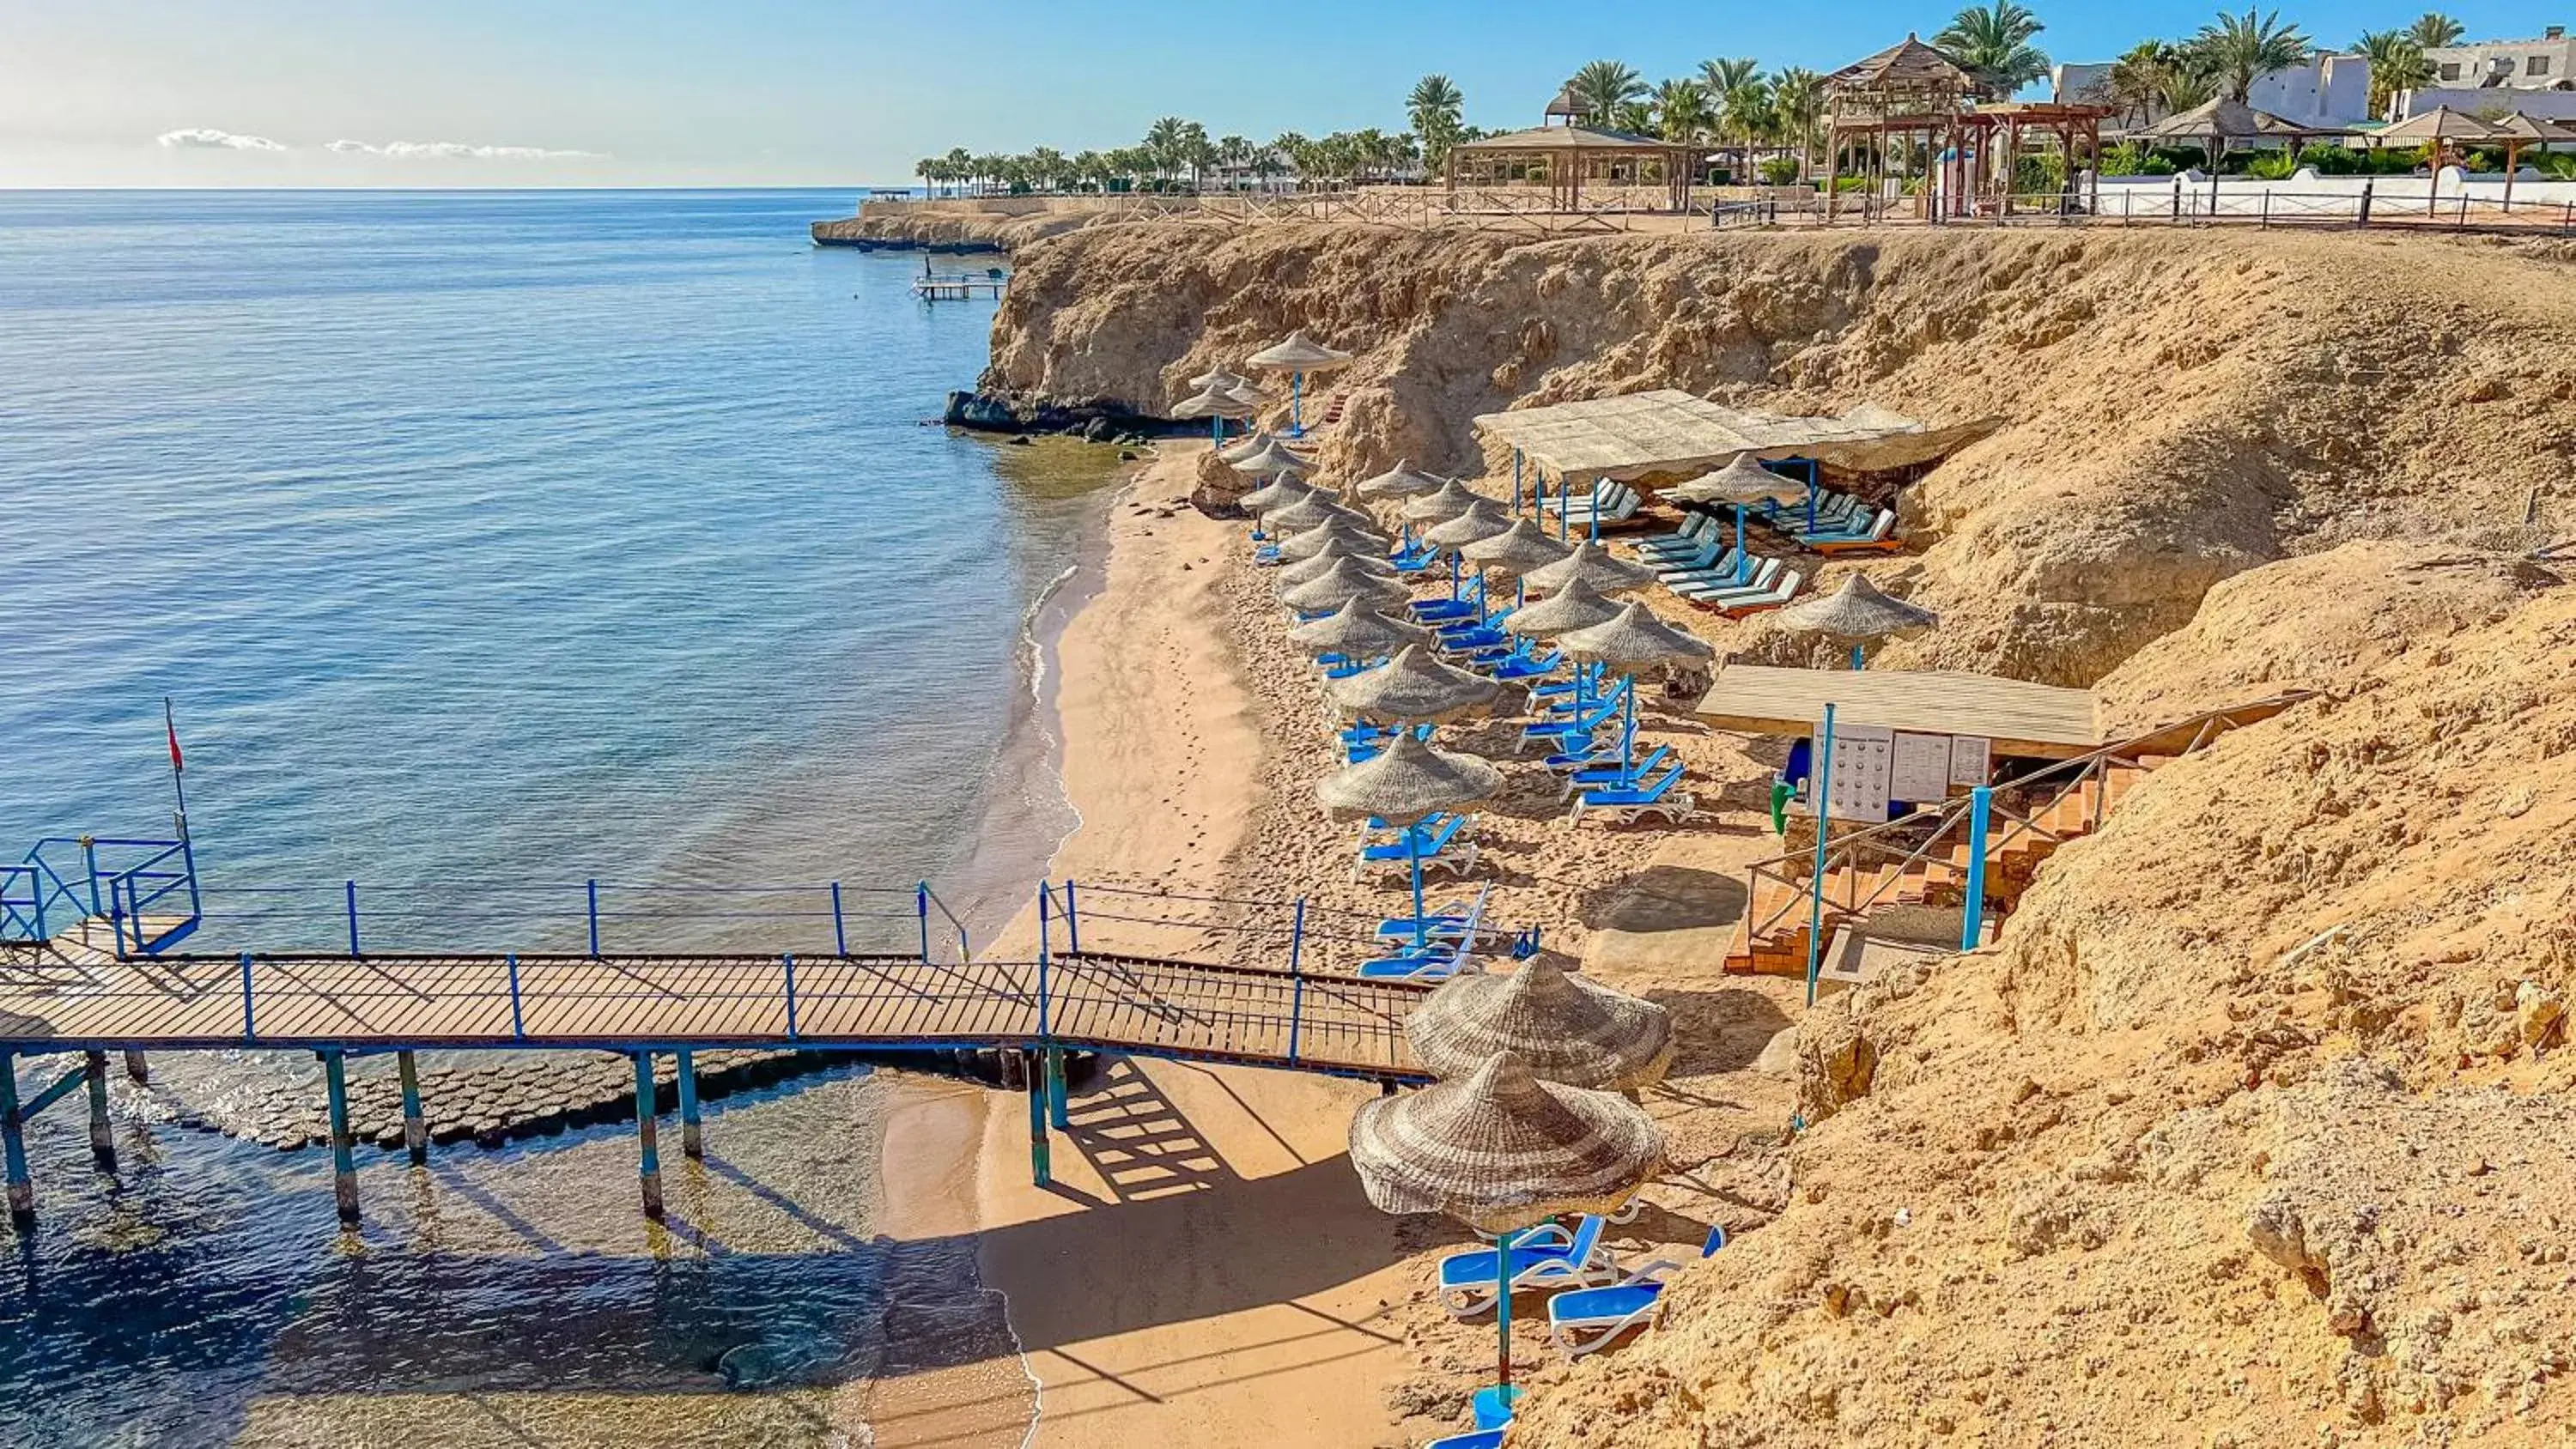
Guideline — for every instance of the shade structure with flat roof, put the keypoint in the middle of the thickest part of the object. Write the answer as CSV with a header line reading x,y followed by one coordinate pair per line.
x,y
1565,157
2039,721
1564,1028
1665,430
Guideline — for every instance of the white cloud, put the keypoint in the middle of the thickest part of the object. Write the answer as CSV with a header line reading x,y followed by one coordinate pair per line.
x,y
206,138
460,151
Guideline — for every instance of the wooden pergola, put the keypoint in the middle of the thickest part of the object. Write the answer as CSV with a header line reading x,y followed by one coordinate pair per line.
x,y
1567,156
1911,96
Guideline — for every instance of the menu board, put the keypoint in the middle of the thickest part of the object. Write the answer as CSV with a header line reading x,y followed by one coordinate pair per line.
x,y
1921,772
1864,764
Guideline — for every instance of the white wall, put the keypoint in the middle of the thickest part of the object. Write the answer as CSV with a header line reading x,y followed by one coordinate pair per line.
x,y
2548,105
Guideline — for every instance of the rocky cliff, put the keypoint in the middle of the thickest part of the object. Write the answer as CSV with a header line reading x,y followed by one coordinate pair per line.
x,y
2174,407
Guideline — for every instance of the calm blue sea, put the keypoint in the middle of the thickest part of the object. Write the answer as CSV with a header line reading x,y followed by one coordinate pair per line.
x,y
503,538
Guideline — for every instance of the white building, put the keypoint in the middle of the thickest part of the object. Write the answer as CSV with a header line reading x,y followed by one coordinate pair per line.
x,y
2327,90
2545,64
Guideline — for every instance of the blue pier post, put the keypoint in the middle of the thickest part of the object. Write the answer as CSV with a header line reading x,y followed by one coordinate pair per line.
x,y
693,1139
349,891
344,1170
1296,404
1296,978
840,926
594,920
89,857
250,1022
1072,920
518,1023
1059,1111
645,1129
102,1134
1041,1164
1516,481
1824,827
415,1125
788,960
1972,913
13,1146
921,903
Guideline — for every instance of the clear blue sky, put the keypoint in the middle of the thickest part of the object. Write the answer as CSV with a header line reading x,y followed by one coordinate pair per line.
x,y
803,92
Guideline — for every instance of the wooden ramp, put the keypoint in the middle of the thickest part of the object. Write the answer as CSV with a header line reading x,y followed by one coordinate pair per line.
x,y
58,1001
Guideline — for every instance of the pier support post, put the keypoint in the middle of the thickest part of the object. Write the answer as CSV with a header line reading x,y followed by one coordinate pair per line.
x,y
13,1147
1040,1166
415,1125
102,1133
693,1141
344,1168
137,1070
1972,909
646,1129
1059,1114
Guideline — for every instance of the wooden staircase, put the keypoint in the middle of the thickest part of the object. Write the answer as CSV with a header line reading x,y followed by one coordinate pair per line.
x,y
1771,936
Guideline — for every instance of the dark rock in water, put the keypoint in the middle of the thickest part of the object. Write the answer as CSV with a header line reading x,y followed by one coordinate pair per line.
x,y
1013,413
750,1366
974,410
1022,441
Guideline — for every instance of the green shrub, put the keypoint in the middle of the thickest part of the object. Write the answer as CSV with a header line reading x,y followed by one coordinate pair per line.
x,y
2272,166
1778,170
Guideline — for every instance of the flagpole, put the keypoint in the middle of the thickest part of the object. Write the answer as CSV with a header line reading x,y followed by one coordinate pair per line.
x,y
178,784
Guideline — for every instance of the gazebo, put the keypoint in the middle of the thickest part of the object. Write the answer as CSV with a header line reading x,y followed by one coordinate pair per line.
x,y
2223,120
1564,109
1911,96
1904,92
1571,154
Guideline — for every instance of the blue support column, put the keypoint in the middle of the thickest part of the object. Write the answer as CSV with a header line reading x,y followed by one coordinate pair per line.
x,y
1072,920
1041,1165
594,920
645,1130
344,1170
350,890
840,926
415,1123
250,1020
1059,1111
1972,918
693,1140
1824,827
13,1146
921,903
102,1133
1516,481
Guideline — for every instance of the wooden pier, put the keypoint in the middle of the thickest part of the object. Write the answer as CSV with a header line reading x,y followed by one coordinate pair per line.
x,y
960,286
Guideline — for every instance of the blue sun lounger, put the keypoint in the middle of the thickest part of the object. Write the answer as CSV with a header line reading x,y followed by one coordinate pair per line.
x,y
1550,1255
1611,776
1444,848
1582,1320
1472,1439
1699,528
1627,806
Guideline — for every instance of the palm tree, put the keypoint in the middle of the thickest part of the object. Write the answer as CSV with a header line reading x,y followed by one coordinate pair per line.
x,y
1434,108
1719,77
2397,63
1601,87
1992,42
2137,81
2186,86
1745,114
2235,51
2433,30
1163,142
1292,149
1681,111
1798,96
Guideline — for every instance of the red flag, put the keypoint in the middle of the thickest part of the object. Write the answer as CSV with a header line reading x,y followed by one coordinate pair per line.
x,y
171,723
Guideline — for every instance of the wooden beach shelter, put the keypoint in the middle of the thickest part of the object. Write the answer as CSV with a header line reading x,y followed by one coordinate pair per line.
x,y
1564,157
2517,131
1906,92
2015,717
2439,131
2216,122
1910,97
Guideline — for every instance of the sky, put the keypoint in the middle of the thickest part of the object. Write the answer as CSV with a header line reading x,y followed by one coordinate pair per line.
x,y
559,93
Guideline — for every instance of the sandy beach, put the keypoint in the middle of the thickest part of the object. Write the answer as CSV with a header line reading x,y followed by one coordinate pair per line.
x,y
1204,1267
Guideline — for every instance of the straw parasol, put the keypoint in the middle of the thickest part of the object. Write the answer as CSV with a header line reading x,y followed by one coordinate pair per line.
x,y
1500,1150
1334,552
2440,128
1300,353
1452,499
1514,551
1576,606
1563,1028
1352,537
1271,459
1248,445
1248,394
1313,509
1214,402
1400,481
1484,520
1412,688
1592,562
1741,482
1218,377
1633,637
1359,631
2517,131
1279,492
1857,610
1406,781
1346,580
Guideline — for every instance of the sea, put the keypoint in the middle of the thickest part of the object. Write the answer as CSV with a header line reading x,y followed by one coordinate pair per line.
x,y
483,549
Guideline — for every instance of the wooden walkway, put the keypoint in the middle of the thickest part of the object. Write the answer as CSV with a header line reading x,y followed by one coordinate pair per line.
x,y
52,1000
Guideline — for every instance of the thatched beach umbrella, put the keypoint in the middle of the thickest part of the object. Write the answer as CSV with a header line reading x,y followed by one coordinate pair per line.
x,y
1216,405
1359,631
1514,551
1500,1150
1564,1028
2438,129
1404,783
1413,688
1279,492
1484,520
1272,459
1401,481
1743,483
1448,501
1336,550
1297,357
1313,509
1248,394
1346,580
1592,562
1576,606
1859,612
1353,538
1630,640
1218,377
1247,445
2517,131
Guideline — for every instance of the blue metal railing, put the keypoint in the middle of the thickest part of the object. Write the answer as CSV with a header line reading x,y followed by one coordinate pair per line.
x,y
136,886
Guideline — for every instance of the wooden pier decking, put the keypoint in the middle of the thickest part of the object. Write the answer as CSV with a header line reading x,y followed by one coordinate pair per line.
x,y
54,1001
